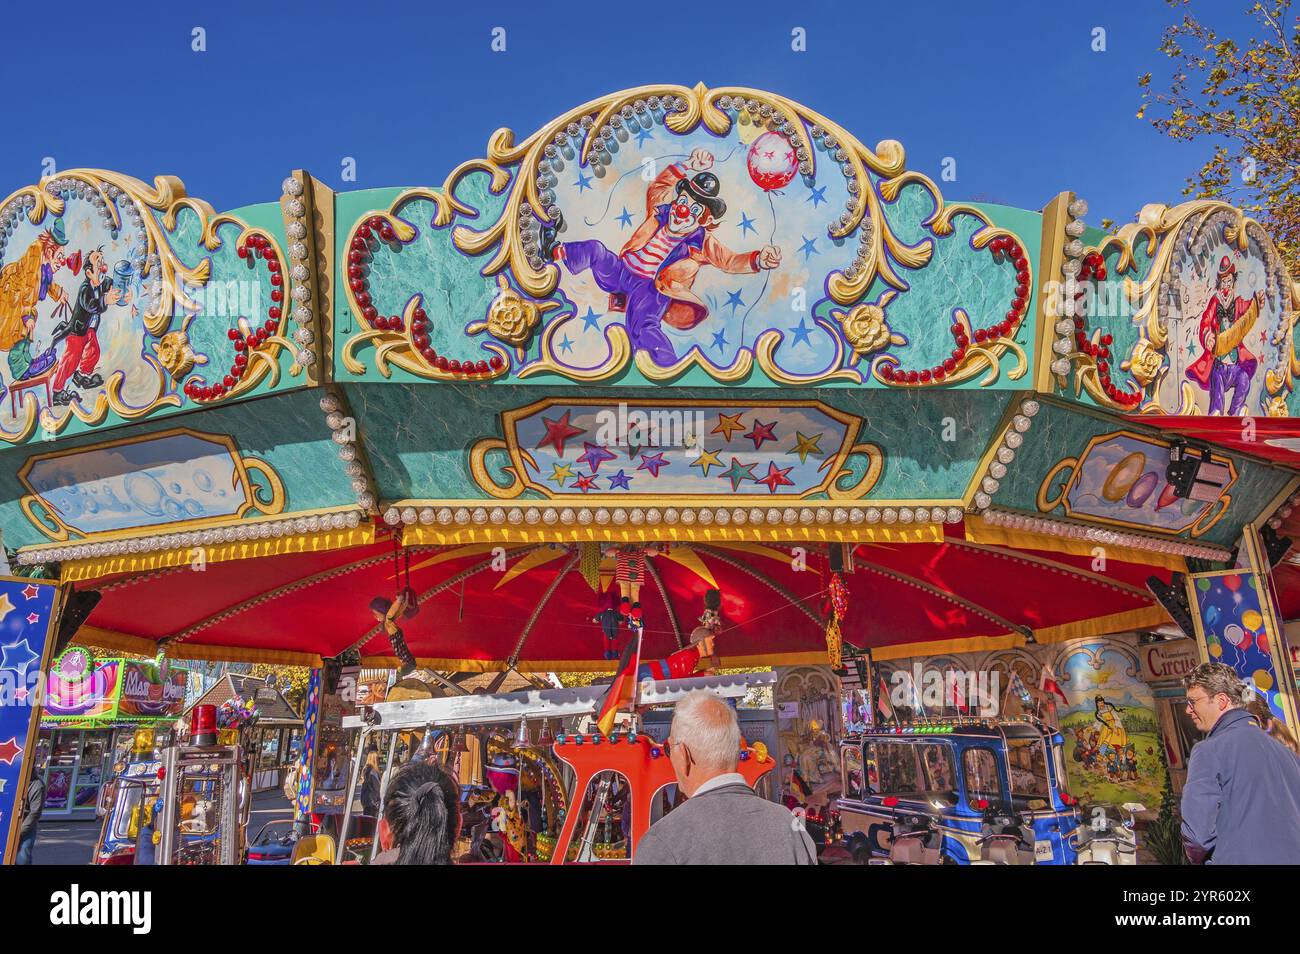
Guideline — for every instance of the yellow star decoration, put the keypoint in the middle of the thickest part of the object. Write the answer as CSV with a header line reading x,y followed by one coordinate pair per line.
x,y
805,445
560,474
726,424
5,606
706,460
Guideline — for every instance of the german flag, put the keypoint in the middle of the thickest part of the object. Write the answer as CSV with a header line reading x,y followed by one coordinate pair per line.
x,y
622,691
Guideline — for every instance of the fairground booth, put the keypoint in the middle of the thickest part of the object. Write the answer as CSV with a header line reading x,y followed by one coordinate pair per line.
x,y
93,708
682,356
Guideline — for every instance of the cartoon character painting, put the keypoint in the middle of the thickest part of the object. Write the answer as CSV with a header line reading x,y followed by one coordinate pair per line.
x,y
79,331
1112,739
651,277
1225,363
24,284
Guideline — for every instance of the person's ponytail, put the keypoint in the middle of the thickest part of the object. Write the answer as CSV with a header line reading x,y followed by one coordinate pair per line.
x,y
421,808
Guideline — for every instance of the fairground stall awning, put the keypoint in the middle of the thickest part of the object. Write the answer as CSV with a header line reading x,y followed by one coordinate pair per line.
x,y
699,347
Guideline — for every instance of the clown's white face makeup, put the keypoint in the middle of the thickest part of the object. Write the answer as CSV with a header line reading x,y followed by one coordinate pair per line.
x,y
684,216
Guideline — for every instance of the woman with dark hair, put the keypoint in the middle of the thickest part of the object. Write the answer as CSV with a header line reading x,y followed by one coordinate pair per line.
x,y
421,817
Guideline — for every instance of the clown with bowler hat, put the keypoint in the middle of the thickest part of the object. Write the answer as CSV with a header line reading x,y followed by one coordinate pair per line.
x,y
650,278
1226,364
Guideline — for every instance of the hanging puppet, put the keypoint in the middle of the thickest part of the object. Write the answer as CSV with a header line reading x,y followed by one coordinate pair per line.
x,y
387,612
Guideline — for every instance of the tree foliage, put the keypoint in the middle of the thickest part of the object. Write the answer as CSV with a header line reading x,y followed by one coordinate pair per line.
x,y
296,677
1244,98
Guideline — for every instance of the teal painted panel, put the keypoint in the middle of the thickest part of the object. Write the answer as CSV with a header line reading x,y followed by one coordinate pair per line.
x,y
744,282
418,439
288,432
1115,485
107,313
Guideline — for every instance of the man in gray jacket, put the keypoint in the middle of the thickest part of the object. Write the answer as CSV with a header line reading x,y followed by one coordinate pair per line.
x,y
1241,803
722,821
33,805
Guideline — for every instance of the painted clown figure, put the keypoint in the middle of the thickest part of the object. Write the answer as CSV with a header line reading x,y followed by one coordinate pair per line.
x,y
1226,364
650,279
80,330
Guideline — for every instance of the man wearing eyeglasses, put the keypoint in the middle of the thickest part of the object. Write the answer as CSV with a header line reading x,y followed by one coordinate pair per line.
x,y
1241,803
722,821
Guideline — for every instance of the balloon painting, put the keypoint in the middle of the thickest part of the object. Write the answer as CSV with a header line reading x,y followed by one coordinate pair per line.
x,y
1236,630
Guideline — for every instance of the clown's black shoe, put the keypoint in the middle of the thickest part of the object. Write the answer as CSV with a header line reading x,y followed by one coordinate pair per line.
x,y
64,397
86,380
549,240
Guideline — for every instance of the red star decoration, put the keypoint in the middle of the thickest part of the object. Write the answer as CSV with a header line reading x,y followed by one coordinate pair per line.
x,y
557,432
21,695
584,482
776,477
30,592
761,432
33,618
9,751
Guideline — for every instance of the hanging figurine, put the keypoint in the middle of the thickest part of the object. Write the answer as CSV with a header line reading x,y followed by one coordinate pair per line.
x,y
387,611
609,619
630,573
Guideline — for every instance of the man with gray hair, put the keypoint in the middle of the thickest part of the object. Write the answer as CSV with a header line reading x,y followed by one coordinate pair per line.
x,y
1241,803
722,821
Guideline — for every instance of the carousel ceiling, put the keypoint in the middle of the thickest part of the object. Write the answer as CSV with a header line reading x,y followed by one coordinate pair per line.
x,y
534,606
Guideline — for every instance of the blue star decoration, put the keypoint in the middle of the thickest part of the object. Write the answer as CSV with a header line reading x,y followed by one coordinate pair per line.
x,y
565,344
816,196
625,218
16,657
652,463
643,135
801,334
734,300
583,183
620,481
720,339
746,224
809,248
589,319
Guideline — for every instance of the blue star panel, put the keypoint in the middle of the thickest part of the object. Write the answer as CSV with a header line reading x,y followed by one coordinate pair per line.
x,y
26,608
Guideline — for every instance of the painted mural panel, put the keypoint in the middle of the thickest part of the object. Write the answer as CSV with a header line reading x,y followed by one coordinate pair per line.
x,y
27,611
666,231
1120,479
1091,688
1236,627
680,448
1188,310
118,298
171,477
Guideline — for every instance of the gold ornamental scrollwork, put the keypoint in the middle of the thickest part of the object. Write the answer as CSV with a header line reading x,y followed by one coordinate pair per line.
x,y
169,354
1046,503
1154,236
513,170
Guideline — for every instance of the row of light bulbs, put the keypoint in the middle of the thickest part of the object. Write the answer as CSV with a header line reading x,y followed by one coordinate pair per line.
x,y
296,228
670,516
1006,453
1070,267
239,533
1101,536
343,430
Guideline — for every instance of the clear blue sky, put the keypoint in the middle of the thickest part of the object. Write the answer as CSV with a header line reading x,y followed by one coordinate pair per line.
x,y
1011,90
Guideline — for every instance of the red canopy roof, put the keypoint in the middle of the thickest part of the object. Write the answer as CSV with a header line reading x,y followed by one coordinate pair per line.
x,y
537,609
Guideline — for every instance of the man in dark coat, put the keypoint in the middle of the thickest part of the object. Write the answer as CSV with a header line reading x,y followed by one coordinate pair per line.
x,y
33,805
722,821
1241,803
80,331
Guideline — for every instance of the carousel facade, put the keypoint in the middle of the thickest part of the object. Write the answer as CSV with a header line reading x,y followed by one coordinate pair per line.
x,y
681,356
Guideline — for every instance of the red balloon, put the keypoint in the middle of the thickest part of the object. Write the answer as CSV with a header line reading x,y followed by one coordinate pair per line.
x,y
1232,582
772,162
1261,640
